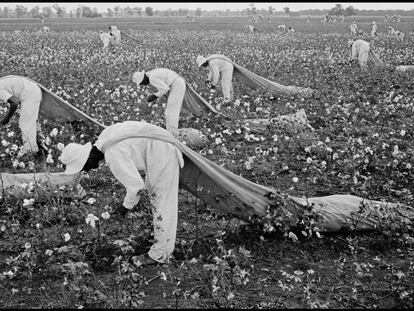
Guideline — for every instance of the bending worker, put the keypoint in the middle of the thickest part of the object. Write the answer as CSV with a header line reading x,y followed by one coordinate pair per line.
x,y
218,68
115,33
17,90
165,80
360,51
125,155
106,38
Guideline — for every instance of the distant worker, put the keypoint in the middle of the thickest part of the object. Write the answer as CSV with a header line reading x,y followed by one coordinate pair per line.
x,y
359,51
400,35
374,29
291,30
218,68
42,19
165,80
106,38
353,28
282,27
308,19
250,28
115,34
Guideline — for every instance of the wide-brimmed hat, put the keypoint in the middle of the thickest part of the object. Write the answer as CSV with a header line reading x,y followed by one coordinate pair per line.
x,y
74,156
138,76
200,60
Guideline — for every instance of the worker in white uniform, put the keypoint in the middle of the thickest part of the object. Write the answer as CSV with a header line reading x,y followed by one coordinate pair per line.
x,y
218,68
115,33
360,51
250,28
106,38
374,29
165,80
17,90
399,34
125,156
353,28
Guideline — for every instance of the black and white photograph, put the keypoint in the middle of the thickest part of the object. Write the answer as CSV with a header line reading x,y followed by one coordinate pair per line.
x,y
206,155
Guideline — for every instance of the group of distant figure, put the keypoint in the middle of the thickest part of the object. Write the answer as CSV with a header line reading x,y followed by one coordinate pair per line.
x,y
257,18
374,31
330,19
191,19
283,28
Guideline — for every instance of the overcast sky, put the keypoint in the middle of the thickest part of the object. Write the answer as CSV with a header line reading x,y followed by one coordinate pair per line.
x,y
278,6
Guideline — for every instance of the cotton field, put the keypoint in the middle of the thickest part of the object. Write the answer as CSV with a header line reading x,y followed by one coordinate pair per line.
x,y
60,250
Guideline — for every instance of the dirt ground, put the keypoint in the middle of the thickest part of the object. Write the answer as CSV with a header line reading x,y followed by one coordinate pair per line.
x,y
366,270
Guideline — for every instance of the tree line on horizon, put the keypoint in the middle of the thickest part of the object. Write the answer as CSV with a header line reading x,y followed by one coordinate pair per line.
x,y
55,10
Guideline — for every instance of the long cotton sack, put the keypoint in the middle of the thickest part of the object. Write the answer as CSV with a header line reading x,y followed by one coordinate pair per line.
x,y
230,193
375,59
255,81
344,213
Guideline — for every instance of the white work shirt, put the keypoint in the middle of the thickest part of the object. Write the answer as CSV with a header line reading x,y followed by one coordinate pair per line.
x,y
117,35
131,155
216,66
359,46
162,79
14,86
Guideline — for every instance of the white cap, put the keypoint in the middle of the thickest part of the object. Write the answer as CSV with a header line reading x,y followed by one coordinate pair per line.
x,y
138,76
74,156
200,60
373,22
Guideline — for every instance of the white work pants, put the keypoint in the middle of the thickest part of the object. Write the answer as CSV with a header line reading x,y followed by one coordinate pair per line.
x,y
363,58
226,84
105,43
29,113
162,180
174,103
